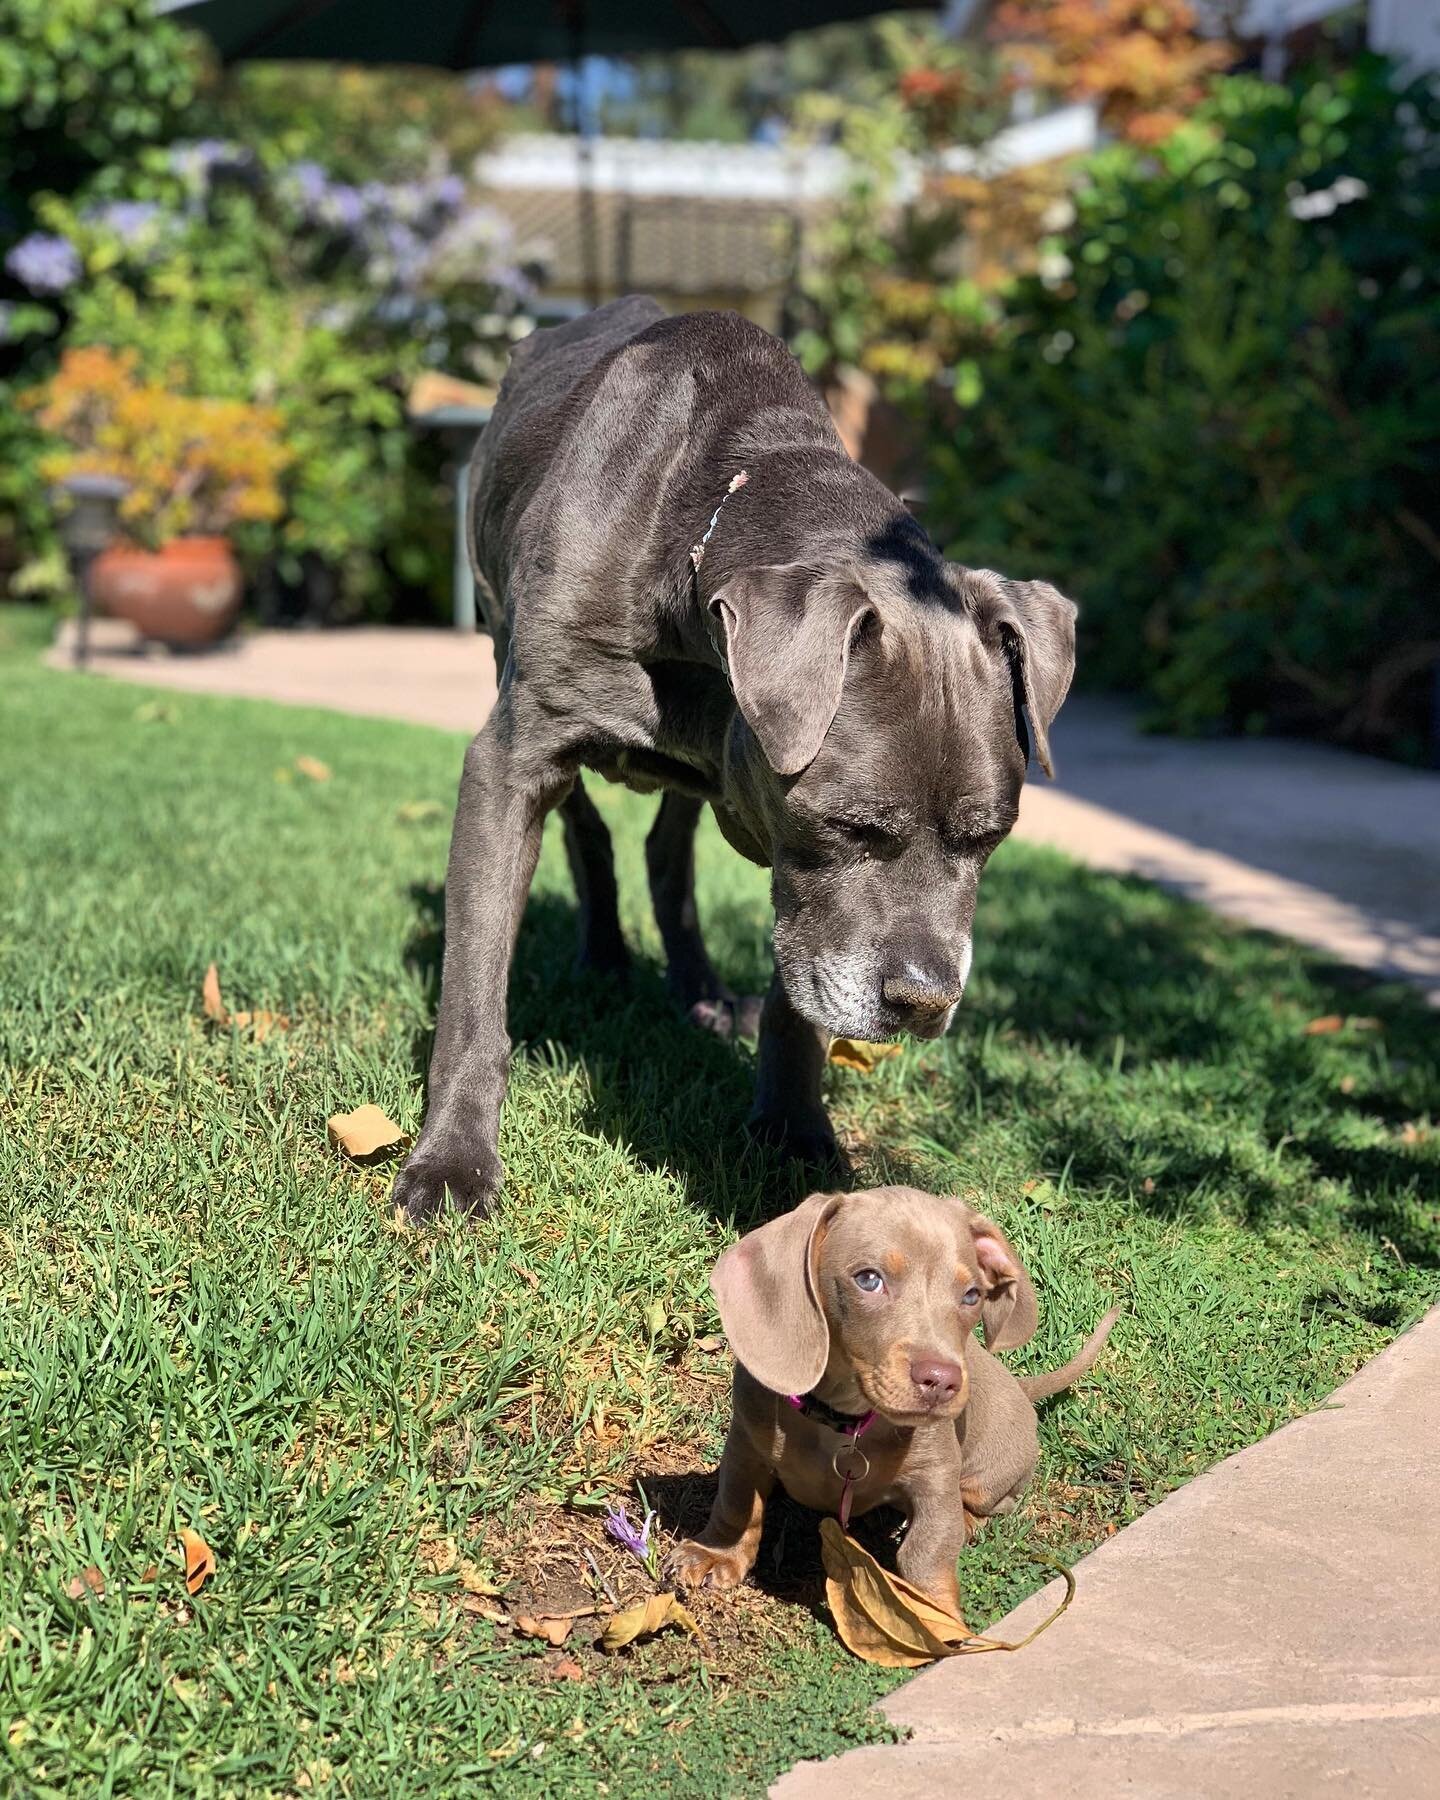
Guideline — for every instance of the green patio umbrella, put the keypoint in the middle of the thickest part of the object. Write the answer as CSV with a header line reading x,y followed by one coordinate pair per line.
x,y
473,34
476,34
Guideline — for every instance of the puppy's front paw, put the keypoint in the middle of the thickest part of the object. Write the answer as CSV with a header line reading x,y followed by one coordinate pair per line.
x,y
697,1565
472,1183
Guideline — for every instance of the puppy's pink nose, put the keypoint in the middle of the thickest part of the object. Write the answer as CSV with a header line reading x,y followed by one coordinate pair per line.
x,y
937,1380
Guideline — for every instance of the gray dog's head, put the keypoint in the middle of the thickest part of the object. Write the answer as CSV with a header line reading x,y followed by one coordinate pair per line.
x,y
878,755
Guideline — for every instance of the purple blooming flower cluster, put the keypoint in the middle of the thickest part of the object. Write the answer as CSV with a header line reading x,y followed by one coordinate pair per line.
x,y
197,162
391,225
129,220
45,263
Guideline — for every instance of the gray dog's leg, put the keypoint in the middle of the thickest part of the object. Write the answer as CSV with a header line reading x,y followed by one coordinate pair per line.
x,y
670,861
493,851
592,864
788,1108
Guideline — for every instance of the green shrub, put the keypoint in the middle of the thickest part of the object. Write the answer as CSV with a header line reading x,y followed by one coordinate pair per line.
x,y
1210,416
83,82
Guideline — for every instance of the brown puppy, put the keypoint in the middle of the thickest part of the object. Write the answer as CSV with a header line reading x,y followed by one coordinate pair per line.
x,y
867,1303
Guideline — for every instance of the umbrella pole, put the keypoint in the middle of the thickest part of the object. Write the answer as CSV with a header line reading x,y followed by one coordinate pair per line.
x,y
584,165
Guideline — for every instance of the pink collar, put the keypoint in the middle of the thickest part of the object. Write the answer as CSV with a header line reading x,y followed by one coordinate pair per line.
x,y
857,1463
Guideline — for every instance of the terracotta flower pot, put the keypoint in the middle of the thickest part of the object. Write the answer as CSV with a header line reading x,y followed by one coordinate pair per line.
x,y
186,593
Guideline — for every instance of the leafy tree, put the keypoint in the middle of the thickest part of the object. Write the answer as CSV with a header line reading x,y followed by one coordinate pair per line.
x,y
1204,418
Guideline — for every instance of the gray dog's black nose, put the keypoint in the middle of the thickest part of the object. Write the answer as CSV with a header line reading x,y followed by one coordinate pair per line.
x,y
917,990
935,1378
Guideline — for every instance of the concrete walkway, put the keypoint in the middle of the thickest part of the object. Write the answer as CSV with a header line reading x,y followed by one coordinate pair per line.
x,y
1338,851
1271,1630
1341,852
427,677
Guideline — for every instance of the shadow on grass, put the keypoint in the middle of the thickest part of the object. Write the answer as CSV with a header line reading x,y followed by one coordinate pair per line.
x,y
789,1566
1102,967
676,1096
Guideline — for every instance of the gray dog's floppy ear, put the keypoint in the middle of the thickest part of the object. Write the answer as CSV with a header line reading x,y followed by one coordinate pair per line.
x,y
1037,624
1008,1311
787,644
769,1304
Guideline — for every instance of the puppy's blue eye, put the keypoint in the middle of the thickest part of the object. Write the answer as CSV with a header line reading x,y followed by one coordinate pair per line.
x,y
869,1281
971,1297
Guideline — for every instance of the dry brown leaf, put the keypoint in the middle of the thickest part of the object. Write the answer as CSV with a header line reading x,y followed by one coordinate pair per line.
x,y
879,1616
199,1560
645,1620
1325,1025
855,1053
261,1023
552,1630
1412,1134
313,767
567,1669
707,1346
88,1582
210,997
151,1574
363,1132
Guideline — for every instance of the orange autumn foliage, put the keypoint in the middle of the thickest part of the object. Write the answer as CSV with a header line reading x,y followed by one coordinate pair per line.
x,y
1143,62
192,466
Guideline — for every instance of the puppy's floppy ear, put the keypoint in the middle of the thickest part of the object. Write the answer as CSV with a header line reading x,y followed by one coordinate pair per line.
x,y
788,633
1037,626
769,1303
1008,1311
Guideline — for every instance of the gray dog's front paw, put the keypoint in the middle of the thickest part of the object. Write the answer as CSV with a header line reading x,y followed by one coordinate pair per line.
x,y
729,1016
472,1182
809,1140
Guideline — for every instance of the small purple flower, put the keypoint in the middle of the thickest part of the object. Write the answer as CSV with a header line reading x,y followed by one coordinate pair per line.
x,y
449,193
196,162
128,219
343,206
635,1539
45,263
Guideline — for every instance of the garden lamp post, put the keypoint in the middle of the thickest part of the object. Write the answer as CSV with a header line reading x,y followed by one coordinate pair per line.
x,y
89,523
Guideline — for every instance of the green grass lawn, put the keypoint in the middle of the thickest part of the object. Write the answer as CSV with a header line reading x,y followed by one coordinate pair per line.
x,y
209,1321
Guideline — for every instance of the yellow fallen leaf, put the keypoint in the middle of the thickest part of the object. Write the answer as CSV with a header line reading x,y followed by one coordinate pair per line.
x,y
878,1615
645,1620
552,1630
313,767
210,997
886,1620
1325,1025
419,812
199,1560
261,1023
87,1582
363,1132
18,1731
855,1053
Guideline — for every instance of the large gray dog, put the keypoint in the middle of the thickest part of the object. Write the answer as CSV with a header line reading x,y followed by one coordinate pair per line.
x,y
791,649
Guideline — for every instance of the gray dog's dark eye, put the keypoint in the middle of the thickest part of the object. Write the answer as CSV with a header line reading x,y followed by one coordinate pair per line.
x,y
869,1281
971,1297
